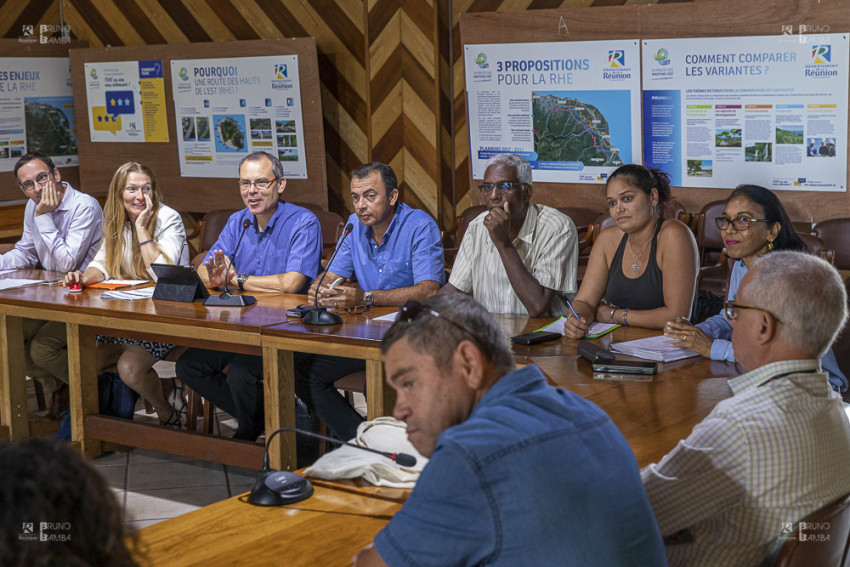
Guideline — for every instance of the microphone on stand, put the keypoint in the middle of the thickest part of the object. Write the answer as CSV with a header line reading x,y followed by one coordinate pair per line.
x,y
225,299
276,488
320,315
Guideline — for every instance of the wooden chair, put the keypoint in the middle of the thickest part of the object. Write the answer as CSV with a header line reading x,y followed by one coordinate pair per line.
x,y
817,247
208,229
709,239
832,521
835,234
6,247
453,236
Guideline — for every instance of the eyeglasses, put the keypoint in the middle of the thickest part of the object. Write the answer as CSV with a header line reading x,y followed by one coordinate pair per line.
x,y
245,185
730,308
740,223
42,179
411,310
502,187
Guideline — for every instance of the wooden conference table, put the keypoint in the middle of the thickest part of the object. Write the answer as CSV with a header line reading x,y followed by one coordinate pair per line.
x,y
653,415
338,520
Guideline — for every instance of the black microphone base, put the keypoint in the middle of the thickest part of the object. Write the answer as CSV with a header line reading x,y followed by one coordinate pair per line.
x,y
228,300
321,316
277,488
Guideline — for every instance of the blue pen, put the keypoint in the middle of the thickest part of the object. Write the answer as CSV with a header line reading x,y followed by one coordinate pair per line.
x,y
570,305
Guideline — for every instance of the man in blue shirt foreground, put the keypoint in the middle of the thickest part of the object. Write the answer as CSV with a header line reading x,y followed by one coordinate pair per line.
x,y
521,473
280,252
395,254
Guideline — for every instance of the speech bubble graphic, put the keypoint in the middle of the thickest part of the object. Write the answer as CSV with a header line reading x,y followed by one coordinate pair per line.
x,y
102,120
120,102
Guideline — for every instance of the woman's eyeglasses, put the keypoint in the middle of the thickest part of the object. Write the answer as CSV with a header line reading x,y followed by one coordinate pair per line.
x,y
740,223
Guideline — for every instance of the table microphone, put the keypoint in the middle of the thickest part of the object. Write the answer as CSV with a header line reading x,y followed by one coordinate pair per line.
x,y
320,315
276,488
225,299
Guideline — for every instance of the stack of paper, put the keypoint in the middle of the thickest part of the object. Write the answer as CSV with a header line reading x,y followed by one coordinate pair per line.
x,y
659,349
129,295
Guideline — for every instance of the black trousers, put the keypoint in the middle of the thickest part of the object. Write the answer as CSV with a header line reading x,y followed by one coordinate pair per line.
x,y
314,384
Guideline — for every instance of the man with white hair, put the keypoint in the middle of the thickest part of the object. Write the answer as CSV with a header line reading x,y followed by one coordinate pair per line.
x,y
517,257
777,450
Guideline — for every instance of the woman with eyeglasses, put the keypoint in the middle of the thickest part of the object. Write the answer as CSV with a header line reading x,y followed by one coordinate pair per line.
x,y
754,223
138,230
643,270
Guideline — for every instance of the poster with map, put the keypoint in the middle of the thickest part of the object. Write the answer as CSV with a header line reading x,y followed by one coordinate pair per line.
x,y
228,108
572,109
36,110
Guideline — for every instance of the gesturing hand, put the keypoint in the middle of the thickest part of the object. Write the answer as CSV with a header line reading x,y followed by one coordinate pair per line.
x,y
49,198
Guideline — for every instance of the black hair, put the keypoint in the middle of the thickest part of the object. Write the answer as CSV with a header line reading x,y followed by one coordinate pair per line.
x,y
29,156
49,491
387,174
644,178
787,239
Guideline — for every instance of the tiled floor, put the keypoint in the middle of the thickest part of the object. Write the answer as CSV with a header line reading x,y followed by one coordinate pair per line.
x,y
152,486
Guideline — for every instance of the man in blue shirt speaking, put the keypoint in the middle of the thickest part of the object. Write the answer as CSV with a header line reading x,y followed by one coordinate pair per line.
x,y
395,255
520,472
280,252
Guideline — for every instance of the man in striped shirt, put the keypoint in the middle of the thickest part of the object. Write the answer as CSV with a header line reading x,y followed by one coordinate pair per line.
x,y
779,448
517,257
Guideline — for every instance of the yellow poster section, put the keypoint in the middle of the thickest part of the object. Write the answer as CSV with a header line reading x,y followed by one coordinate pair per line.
x,y
153,109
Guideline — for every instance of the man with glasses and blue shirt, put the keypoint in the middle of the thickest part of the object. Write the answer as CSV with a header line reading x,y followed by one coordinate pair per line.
x,y
517,257
779,448
394,253
280,252
62,229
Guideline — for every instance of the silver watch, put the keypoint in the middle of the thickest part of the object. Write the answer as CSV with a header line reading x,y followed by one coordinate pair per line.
x,y
368,298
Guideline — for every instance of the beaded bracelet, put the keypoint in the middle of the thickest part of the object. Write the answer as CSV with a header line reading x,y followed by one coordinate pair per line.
x,y
145,242
626,317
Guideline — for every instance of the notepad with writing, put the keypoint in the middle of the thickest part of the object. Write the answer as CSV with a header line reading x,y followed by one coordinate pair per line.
x,y
595,331
659,349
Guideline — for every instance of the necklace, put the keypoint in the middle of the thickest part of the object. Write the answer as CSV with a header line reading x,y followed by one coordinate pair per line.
x,y
636,259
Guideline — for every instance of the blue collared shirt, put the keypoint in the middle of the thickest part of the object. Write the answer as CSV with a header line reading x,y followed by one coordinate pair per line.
x,y
535,476
409,253
291,242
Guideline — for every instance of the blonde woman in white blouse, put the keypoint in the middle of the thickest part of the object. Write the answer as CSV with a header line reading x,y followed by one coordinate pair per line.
x,y
138,230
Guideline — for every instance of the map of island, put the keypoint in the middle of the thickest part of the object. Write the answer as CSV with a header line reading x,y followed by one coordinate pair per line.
x,y
50,125
594,130
230,133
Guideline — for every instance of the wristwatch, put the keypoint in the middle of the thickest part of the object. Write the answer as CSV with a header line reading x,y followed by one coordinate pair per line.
x,y
240,279
368,298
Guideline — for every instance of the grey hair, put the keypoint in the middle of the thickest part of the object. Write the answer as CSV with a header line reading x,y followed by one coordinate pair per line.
x,y
277,167
520,165
438,336
806,293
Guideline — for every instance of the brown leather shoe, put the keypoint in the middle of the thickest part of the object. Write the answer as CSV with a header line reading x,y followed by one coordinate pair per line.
x,y
59,402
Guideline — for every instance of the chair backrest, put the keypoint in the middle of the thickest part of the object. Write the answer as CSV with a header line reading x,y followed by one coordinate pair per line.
x,y
581,216
332,227
817,247
209,227
835,233
465,218
826,545
709,239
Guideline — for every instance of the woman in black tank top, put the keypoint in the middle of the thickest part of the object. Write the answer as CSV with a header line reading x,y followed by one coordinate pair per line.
x,y
642,271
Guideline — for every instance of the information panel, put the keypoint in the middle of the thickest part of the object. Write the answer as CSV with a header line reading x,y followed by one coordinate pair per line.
x,y
767,110
36,110
227,108
126,101
572,109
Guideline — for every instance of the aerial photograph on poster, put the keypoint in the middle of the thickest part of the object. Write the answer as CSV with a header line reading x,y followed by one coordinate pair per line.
x,y
50,125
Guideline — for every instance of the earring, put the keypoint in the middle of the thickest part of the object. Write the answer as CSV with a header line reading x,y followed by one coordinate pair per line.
x,y
769,245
